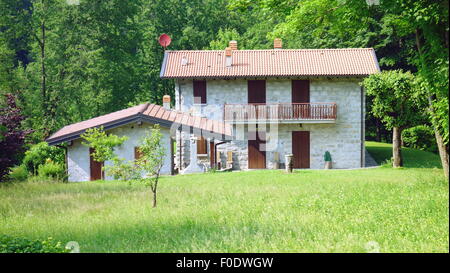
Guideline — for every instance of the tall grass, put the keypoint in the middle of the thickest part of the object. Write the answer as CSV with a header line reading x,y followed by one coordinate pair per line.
x,y
404,210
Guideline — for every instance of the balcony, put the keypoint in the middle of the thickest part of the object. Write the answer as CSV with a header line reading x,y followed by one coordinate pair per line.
x,y
281,113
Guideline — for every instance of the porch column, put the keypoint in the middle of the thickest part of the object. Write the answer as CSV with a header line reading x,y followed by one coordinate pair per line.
x,y
193,167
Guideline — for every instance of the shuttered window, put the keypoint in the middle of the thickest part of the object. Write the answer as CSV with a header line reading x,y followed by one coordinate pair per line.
x,y
200,92
202,146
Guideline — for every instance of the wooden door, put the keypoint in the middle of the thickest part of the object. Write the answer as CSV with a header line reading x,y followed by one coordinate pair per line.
x,y
256,150
256,94
300,94
212,155
300,149
96,167
202,146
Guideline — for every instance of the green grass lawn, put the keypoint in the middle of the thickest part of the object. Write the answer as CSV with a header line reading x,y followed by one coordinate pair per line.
x,y
403,210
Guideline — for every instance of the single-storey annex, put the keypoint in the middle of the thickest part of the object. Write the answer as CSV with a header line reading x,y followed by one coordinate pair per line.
x,y
133,123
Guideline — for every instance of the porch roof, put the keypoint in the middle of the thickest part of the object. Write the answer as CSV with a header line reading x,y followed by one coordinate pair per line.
x,y
146,112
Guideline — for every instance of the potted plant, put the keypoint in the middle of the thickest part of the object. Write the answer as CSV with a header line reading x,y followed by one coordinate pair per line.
x,y
327,158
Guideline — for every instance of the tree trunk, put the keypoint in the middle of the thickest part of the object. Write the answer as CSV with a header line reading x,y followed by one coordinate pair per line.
x,y
43,72
154,199
443,152
397,148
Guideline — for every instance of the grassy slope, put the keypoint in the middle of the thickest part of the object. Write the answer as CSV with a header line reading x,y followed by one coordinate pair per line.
x,y
404,210
412,158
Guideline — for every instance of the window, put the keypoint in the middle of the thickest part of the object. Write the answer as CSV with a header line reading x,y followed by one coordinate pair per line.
x,y
202,146
199,92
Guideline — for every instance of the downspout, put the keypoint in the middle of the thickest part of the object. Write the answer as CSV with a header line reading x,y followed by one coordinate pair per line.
x,y
179,127
362,129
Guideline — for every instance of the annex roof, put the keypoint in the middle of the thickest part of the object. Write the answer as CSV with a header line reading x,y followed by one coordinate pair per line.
x,y
146,112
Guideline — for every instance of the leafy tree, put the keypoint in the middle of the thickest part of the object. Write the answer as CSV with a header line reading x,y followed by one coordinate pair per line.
x,y
396,103
152,159
38,155
145,169
12,137
102,143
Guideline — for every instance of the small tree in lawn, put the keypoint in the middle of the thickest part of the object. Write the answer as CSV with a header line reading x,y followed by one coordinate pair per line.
x,y
397,103
152,159
102,144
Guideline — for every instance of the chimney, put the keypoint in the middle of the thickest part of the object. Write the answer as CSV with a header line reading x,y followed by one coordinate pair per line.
x,y
166,101
277,43
233,45
184,61
228,54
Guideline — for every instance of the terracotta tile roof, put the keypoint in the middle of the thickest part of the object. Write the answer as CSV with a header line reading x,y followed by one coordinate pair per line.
x,y
147,112
270,63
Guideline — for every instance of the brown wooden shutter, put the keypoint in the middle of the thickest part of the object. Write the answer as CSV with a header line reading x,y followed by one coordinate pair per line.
x,y
256,91
202,146
300,91
200,91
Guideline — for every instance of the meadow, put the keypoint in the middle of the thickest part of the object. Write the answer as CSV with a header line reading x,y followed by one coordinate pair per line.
x,y
389,210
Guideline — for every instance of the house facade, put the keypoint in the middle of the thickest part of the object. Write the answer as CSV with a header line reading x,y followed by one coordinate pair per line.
x,y
243,109
278,102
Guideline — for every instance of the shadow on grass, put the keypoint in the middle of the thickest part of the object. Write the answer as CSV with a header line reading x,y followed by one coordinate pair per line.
x,y
412,158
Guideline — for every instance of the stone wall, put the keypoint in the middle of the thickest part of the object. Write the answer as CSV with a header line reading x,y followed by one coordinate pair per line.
x,y
78,154
342,138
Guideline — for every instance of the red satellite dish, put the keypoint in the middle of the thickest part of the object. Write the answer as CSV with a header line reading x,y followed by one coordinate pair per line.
x,y
164,40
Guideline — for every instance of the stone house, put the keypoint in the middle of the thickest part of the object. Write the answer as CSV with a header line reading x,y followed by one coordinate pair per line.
x,y
302,102
244,109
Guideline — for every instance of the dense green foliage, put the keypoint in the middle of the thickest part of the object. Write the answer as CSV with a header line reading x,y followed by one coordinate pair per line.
x,y
18,173
403,210
52,170
102,143
10,244
420,137
395,100
38,155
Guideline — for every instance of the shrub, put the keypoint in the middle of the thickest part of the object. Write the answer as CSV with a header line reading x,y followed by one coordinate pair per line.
x,y
39,153
52,170
420,137
327,156
18,173
10,244
122,170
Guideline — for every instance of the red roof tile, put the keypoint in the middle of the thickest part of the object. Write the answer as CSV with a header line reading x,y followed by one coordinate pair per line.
x,y
270,63
157,112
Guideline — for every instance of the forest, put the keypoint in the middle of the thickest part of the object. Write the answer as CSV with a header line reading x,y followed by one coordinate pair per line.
x,y
64,61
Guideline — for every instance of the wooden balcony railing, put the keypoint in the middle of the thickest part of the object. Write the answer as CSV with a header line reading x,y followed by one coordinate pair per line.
x,y
280,112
